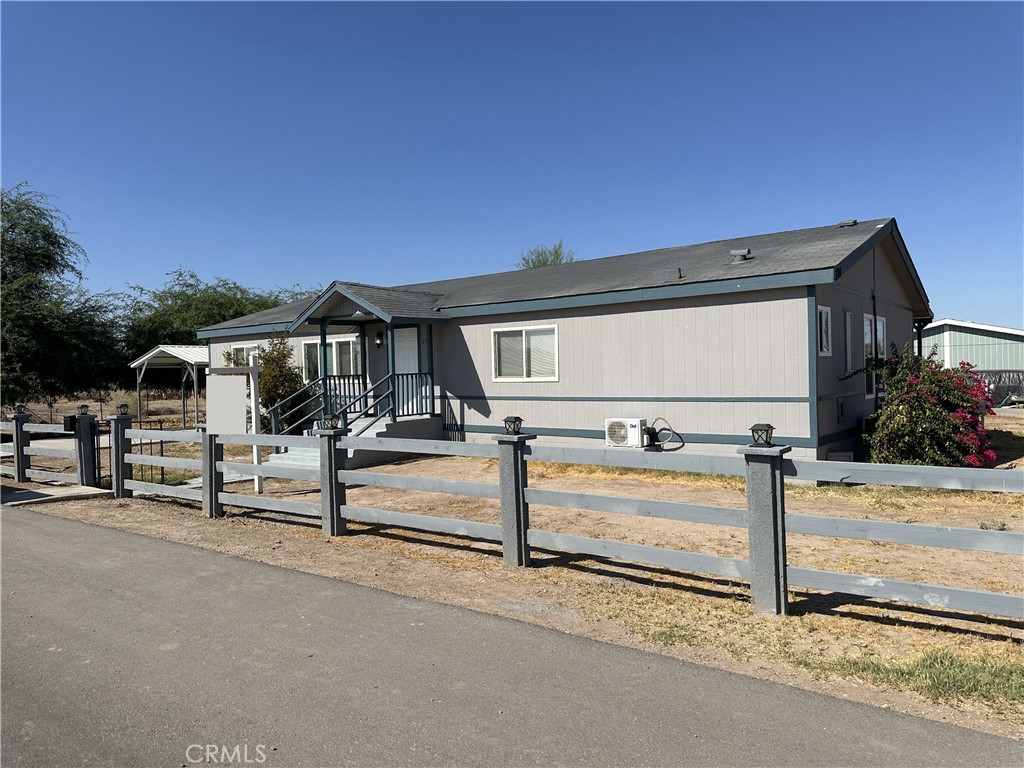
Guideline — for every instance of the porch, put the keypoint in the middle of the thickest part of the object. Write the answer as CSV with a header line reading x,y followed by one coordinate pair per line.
x,y
384,373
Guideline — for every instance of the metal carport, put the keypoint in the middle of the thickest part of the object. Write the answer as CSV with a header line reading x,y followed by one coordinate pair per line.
x,y
189,358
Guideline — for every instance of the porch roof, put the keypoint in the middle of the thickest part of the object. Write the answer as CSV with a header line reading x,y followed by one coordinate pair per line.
x,y
358,302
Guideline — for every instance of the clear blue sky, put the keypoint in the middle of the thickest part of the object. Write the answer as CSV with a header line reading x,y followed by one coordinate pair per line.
x,y
282,143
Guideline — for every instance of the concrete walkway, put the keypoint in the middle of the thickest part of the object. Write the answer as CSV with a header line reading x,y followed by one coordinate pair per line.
x,y
121,650
46,492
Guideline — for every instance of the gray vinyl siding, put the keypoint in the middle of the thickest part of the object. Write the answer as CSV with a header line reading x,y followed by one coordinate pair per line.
x,y
852,293
710,365
295,340
987,350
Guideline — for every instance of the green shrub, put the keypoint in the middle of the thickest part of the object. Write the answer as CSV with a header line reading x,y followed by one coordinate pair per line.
x,y
931,415
280,376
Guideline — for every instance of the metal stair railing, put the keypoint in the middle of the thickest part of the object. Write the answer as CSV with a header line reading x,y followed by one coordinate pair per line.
x,y
379,400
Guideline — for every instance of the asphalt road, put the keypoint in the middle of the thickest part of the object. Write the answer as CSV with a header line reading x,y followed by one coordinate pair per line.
x,y
122,650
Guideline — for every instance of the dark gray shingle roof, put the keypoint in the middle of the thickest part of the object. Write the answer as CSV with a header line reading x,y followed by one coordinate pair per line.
x,y
801,250
796,251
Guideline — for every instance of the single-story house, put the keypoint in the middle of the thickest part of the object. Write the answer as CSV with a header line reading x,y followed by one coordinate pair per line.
x,y
997,353
713,338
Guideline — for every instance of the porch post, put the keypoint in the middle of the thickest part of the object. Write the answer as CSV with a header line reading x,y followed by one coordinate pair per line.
x,y
323,367
429,330
392,399
364,365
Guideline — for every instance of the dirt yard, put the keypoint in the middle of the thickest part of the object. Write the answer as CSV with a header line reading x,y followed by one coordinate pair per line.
x,y
703,619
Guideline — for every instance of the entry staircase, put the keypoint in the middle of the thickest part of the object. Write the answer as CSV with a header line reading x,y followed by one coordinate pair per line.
x,y
399,405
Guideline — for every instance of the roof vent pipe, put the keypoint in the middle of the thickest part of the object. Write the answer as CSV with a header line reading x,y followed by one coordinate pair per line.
x,y
848,223
740,255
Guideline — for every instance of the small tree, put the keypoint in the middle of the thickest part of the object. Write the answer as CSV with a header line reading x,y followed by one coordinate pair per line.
x,y
280,376
931,415
543,256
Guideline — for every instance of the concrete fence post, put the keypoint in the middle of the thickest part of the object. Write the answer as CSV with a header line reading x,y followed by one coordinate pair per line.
x,y
120,446
213,478
515,512
21,441
332,490
766,526
85,449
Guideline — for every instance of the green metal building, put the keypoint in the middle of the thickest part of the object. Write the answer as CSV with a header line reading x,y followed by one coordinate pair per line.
x,y
996,352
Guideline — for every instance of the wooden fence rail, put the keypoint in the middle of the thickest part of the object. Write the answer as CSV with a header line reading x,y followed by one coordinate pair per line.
x,y
765,471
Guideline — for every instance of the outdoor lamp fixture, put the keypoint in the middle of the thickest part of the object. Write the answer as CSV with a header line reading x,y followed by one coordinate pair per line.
x,y
82,410
19,408
378,339
122,409
331,421
762,434
513,424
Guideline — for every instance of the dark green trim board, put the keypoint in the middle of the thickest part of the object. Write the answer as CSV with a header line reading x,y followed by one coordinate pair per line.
x,y
742,285
620,399
220,333
812,360
835,437
597,434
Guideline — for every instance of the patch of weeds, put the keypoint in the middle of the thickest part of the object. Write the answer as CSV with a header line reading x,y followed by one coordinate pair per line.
x,y
993,525
940,674
692,479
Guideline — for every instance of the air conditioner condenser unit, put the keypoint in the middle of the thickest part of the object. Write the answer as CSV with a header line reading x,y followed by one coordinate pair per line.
x,y
625,433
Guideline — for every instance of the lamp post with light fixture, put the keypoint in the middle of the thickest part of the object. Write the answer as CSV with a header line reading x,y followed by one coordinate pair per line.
x,y
766,520
120,446
332,460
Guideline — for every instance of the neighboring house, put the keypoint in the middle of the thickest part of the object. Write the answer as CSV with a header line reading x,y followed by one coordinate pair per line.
x,y
997,353
712,337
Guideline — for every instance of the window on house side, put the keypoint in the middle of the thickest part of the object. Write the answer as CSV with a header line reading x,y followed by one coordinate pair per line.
x,y
848,317
874,341
824,331
349,362
526,354
310,361
343,358
240,356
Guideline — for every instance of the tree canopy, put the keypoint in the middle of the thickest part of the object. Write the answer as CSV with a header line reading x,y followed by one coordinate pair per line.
x,y
185,303
546,256
55,338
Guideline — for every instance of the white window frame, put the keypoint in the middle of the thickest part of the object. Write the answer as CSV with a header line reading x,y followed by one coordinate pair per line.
x,y
824,340
355,350
333,351
522,329
247,351
848,337
878,325
305,374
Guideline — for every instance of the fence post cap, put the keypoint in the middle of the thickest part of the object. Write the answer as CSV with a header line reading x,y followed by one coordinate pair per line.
x,y
764,450
336,432
503,438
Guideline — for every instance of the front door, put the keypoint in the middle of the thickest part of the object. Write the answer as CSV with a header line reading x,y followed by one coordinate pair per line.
x,y
407,360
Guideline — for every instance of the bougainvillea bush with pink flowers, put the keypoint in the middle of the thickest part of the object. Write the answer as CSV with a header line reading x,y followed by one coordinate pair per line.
x,y
931,414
